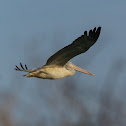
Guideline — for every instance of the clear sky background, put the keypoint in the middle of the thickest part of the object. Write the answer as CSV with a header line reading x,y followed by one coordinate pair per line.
x,y
32,30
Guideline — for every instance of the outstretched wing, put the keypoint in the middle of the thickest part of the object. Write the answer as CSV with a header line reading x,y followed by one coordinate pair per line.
x,y
80,45
26,68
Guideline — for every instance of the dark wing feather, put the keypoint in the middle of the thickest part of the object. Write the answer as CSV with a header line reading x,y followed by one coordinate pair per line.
x,y
80,45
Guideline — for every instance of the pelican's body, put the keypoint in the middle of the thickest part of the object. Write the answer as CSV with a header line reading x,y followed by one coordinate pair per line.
x,y
52,72
58,65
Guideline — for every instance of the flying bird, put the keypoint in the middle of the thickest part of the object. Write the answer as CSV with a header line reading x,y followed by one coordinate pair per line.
x,y
58,65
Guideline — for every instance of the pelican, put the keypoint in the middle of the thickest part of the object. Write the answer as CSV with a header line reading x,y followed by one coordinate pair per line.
x,y
58,65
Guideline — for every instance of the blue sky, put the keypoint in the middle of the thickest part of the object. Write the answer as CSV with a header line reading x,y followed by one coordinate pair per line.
x,y
32,30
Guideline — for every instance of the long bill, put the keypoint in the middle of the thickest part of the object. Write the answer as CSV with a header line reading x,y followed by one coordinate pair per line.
x,y
80,69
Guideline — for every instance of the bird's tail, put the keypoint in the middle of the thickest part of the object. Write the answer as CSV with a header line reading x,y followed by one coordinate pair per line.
x,y
28,75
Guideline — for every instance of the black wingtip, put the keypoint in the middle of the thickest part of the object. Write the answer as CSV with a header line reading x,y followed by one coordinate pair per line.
x,y
94,30
97,33
85,33
26,67
99,30
99,27
21,66
90,33
17,68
